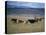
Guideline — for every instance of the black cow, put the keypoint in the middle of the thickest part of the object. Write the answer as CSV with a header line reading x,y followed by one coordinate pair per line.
x,y
32,20
14,20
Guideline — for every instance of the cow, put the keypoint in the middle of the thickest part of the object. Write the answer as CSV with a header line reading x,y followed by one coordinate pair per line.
x,y
14,20
20,21
31,20
39,19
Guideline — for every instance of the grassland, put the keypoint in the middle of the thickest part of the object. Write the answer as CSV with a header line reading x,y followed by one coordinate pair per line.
x,y
24,28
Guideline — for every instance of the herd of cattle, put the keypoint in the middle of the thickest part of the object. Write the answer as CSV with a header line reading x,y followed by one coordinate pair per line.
x,y
17,21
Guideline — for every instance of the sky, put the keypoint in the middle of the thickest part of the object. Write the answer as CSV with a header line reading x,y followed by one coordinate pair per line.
x,y
40,1
13,4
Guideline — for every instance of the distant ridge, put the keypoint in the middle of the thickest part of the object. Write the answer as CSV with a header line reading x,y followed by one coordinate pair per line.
x,y
23,7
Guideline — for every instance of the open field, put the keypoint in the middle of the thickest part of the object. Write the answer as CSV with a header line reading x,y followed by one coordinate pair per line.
x,y
24,28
